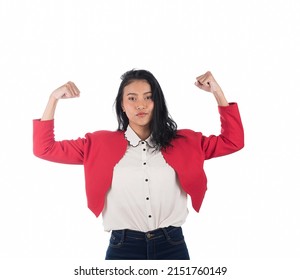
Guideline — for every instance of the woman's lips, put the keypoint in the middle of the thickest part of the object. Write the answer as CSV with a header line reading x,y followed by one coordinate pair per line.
x,y
141,114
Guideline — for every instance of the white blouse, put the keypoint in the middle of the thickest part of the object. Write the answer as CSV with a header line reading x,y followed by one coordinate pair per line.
x,y
145,193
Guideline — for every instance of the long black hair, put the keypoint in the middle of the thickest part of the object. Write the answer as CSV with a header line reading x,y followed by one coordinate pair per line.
x,y
163,128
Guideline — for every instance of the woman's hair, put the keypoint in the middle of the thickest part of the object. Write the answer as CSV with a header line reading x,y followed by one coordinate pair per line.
x,y
163,128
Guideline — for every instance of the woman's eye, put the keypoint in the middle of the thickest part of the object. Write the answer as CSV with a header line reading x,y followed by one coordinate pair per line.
x,y
131,98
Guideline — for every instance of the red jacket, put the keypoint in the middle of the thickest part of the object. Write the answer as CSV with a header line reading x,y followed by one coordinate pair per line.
x,y
100,151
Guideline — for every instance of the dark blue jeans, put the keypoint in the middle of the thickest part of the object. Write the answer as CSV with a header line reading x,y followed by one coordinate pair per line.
x,y
161,244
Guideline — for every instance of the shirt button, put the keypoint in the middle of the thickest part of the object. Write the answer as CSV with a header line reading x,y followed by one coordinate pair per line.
x,y
144,163
147,198
149,216
144,150
146,180
143,143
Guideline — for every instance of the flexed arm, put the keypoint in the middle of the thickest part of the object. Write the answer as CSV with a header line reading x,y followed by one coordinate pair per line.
x,y
231,138
44,144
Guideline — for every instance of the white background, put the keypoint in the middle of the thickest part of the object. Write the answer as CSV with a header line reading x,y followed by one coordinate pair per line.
x,y
250,217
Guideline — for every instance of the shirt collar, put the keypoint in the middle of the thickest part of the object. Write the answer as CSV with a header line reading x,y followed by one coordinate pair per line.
x,y
134,140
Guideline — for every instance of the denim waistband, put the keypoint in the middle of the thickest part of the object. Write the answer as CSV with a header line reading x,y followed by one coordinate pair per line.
x,y
148,235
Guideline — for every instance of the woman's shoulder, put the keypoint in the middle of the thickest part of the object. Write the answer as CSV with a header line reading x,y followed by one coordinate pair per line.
x,y
105,133
105,138
187,132
188,136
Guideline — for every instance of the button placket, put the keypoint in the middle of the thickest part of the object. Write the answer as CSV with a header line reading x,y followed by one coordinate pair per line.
x,y
148,212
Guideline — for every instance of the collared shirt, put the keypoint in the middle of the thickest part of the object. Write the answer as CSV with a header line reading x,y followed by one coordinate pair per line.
x,y
145,193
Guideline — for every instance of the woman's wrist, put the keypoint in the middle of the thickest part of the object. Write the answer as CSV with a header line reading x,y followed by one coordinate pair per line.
x,y
220,97
50,109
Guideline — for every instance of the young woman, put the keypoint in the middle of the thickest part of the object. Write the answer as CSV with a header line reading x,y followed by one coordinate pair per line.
x,y
139,176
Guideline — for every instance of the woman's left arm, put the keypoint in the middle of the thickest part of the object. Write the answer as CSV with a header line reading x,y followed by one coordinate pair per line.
x,y
231,138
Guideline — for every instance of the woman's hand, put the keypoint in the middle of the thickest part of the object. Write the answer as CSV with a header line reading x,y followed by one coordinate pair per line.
x,y
208,83
68,90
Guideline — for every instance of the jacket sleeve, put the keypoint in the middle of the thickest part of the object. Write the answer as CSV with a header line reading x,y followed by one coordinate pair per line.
x,y
231,138
45,146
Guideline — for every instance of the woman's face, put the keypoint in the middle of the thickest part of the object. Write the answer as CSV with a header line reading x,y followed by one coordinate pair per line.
x,y
138,105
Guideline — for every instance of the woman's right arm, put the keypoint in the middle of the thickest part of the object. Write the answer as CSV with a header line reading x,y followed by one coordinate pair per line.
x,y
44,144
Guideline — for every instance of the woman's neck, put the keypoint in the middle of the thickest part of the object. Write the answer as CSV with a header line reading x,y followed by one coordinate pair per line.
x,y
142,132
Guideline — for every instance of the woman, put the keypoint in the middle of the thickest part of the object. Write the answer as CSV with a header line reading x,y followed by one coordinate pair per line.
x,y
139,176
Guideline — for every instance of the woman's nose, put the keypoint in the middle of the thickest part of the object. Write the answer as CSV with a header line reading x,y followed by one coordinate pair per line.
x,y
141,105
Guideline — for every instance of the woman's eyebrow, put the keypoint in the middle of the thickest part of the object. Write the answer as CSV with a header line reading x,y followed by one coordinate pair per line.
x,y
133,93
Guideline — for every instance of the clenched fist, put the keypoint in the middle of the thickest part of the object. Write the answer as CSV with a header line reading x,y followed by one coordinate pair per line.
x,y
208,83
68,90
